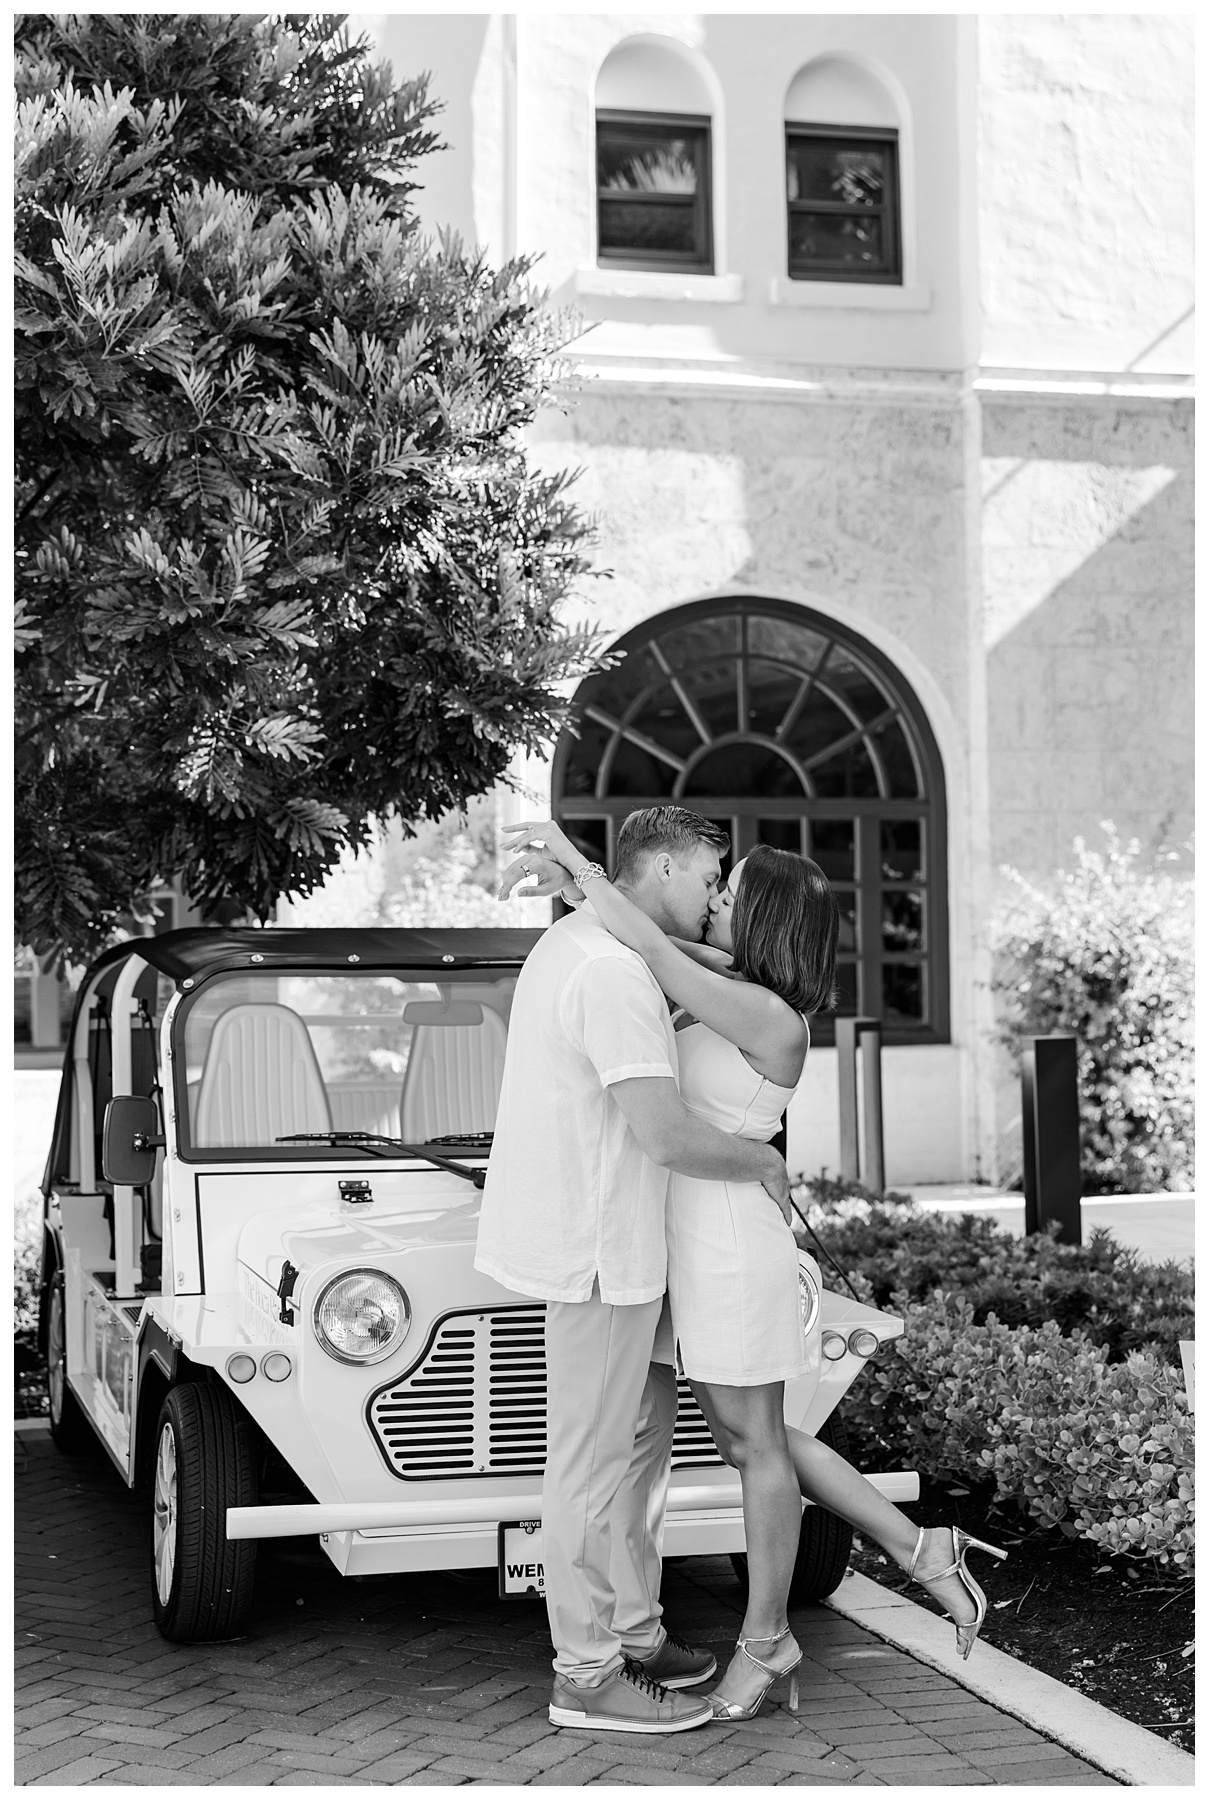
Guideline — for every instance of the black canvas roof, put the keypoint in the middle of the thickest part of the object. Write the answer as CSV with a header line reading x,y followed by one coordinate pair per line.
x,y
199,951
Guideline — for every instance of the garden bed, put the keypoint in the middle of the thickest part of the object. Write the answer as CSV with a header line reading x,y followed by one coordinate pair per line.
x,y
1112,1629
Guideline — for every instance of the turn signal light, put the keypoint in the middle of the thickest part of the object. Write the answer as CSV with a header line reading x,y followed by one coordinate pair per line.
x,y
276,1366
241,1367
833,1346
864,1342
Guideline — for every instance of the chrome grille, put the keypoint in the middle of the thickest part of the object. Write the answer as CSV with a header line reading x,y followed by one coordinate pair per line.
x,y
475,1404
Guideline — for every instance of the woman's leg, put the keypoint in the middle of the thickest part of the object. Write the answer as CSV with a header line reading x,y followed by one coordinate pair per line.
x,y
830,1482
748,1424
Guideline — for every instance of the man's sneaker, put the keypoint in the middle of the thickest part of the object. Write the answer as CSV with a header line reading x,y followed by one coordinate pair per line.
x,y
627,1701
676,1664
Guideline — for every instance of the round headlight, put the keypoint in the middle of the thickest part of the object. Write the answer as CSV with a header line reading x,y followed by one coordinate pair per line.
x,y
833,1346
864,1342
808,1294
241,1367
362,1316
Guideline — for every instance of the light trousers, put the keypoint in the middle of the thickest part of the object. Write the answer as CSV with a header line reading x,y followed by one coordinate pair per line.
x,y
610,1415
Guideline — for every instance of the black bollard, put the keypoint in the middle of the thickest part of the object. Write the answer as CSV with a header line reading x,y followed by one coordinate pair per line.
x,y
1049,1097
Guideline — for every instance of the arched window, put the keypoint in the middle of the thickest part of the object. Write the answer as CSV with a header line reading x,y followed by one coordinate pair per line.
x,y
654,160
787,730
842,176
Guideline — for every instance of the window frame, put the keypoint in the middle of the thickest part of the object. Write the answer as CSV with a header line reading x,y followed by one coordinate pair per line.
x,y
891,212
701,260
602,813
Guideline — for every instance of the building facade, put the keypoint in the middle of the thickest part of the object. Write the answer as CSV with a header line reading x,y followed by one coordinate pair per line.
x,y
884,410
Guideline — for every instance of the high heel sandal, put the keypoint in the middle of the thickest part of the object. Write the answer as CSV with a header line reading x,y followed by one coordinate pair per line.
x,y
962,1541
730,1710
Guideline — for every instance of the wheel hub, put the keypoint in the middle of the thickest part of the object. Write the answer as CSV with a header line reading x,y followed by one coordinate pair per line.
x,y
164,1516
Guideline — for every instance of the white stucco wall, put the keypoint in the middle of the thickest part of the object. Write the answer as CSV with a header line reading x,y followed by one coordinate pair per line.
x,y
1086,206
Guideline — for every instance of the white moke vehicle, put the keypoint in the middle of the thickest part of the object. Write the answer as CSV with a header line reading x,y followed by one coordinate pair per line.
x,y
258,1279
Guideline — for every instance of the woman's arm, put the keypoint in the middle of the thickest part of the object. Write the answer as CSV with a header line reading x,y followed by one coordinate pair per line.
x,y
752,1017
705,954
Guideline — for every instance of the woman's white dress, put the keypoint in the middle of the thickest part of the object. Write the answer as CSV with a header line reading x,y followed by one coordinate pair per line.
x,y
732,1259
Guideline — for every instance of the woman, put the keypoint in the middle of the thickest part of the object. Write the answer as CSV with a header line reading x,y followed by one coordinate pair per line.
x,y
768,959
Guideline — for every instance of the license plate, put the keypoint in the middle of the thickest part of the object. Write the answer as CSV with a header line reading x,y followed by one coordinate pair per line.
x,y
520,1553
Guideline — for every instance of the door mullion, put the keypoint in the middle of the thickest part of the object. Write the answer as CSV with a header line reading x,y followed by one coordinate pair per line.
x,y
868,913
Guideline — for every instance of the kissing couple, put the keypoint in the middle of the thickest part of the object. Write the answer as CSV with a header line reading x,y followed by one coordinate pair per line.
x,y
632,1187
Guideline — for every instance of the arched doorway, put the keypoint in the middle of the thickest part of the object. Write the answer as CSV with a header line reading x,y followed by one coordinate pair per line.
x,y
788,730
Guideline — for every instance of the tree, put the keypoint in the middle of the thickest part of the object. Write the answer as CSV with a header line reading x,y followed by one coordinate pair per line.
x,y
282,566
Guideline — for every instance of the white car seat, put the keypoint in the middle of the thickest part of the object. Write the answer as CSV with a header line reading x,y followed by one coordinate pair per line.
x,y
261,1079
453,1079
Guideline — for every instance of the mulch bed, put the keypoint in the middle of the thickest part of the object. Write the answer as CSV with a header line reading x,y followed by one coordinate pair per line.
x,y
1116,1630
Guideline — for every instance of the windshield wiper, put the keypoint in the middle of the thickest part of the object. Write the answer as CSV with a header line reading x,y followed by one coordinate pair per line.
x,y
370,1140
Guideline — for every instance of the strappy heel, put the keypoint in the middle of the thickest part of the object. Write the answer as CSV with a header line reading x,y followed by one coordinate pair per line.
x,y
730,1710
967,1634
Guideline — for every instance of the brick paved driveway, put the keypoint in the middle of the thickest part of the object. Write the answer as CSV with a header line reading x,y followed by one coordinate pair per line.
x,y
425,1679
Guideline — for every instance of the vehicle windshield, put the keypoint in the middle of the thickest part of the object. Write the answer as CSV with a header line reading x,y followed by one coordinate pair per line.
x,y
277,1056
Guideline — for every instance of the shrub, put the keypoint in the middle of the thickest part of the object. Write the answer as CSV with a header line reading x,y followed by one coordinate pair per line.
x,y
1101,1288
1101,1450
1108,956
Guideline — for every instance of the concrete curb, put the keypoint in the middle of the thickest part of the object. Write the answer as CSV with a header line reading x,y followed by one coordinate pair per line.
x,y
31,1424
1126,1751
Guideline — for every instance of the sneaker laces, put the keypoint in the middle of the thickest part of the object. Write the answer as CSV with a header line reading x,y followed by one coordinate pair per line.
x,y
678,1643
636,1675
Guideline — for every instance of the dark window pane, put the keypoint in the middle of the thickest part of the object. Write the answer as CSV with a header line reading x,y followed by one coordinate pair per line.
x,y
846,174
902,777
662,717
902,921
833,847
702,640
782,834
590,837
646,160
848,680
635,772
584,761
833,239
817,726
902,850
850,775
615,690
771,691
848,923
791,643
654,228
743,769
902,994
845,975
713,689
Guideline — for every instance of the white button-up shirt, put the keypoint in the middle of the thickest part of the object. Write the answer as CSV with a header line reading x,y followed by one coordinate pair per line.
x,y
570,1198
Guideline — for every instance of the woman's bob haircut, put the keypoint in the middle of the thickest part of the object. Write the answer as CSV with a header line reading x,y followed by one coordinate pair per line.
x,y
786,928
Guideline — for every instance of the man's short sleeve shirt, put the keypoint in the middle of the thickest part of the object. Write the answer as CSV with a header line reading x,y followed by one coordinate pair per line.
x,y
570,1197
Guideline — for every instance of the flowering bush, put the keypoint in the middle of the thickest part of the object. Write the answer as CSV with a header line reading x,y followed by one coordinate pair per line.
x,y
1101,1450
1108,956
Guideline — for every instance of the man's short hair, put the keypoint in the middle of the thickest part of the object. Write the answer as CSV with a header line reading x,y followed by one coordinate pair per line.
x,y
670,828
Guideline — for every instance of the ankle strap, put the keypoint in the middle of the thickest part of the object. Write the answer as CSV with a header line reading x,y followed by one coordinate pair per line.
x,y
774,1639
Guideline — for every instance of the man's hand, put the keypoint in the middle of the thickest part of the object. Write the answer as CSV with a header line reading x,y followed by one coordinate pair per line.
x,y
549,875
776,1184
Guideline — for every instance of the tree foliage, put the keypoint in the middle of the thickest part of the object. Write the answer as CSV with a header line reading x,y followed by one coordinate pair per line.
x,y
1108,956
282,566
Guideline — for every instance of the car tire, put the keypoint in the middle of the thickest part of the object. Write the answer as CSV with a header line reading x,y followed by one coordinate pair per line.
x,y
205,1460
825,1541
69,1427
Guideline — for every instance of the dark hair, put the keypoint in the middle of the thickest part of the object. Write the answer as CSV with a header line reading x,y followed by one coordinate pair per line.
x,y
670,828
785,929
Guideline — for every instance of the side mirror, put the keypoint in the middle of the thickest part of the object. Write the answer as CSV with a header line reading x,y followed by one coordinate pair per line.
x,y
130,1140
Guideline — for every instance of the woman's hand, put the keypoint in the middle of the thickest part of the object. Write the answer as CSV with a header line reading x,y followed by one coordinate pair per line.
x,y
551,877
546,833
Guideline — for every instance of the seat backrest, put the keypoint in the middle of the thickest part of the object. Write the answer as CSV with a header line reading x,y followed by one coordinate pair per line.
x,y
453,1079
261,1079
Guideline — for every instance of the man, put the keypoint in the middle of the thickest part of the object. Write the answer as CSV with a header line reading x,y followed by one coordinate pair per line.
x,y
590,1123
